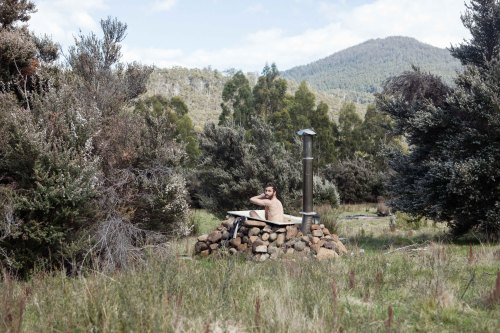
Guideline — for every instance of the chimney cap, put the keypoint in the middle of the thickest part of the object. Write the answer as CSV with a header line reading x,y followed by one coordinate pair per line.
x,y
306,131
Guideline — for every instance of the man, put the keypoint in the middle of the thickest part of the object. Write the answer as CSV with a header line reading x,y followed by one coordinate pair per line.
x,y
272,206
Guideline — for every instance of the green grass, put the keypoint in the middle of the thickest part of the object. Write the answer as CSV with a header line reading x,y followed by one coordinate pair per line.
x,y
203,221
434,286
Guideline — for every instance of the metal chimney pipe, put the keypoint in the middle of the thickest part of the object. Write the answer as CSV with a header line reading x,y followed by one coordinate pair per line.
x,y
307,189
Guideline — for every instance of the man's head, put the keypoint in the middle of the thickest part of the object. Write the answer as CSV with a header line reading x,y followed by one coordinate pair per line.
x,y
270,190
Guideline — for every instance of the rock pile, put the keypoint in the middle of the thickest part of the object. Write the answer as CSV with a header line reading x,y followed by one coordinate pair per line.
x,y
262,241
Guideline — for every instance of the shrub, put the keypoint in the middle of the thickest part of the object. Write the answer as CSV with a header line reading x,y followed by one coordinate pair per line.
x,y
325,192
357,180
236,165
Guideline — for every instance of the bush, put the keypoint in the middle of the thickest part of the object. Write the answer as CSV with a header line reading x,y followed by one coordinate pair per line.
x,y
76,161
357,180
51,180
325,192
236,165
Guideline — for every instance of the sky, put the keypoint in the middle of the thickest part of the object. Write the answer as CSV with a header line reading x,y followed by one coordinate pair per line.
x,y
247,34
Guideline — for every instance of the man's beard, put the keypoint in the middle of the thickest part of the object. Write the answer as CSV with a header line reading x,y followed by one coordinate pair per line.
x,y
270,197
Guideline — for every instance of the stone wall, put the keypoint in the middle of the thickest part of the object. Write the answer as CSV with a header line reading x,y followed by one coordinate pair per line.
x,y
261,241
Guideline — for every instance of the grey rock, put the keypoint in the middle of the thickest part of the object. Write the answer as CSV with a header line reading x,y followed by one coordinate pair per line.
x,y
299,246
280,240
324,254
264,257
254,231
330,245
215,236
203,238
260,249
200,246
317,233
272,249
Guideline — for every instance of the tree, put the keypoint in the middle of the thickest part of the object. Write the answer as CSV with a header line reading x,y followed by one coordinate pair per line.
x,y
349,131
12,11
482,18
281,123
175,113
104,79
376,135
357,179
269,93
452,170
237,106
23,57
303,106
327,135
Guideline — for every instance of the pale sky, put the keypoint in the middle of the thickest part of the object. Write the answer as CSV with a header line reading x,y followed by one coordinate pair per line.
x,y
247,34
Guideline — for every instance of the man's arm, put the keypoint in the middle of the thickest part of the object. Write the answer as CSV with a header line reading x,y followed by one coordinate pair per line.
x,y
260,200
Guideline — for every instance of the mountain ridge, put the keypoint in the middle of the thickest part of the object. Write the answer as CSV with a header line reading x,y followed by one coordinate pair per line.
x,y
362,68
352,74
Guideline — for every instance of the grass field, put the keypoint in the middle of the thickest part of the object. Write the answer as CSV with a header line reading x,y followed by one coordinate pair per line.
x,y
403,281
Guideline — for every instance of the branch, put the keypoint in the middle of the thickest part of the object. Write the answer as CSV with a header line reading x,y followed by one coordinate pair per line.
x,y
409,247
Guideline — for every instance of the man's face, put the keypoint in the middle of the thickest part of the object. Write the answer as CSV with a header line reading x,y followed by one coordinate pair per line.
x,y
269,192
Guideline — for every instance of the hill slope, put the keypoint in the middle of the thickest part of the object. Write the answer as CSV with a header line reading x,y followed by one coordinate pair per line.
x,y
363,68
201,90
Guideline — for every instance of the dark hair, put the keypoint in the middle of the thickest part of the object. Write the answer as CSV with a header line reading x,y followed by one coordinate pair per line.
x,y
271,185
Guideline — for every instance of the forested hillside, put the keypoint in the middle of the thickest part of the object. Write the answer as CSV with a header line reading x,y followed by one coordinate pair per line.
x,y
359,71
201,90
353,75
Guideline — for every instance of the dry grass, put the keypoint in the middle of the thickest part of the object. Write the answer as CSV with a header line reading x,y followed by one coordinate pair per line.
x,y
399,283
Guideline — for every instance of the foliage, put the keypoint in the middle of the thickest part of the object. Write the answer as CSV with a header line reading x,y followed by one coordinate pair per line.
x,y
481,19
173,112
350,123
357,179
235,167
237,106
327,136
22,54
451,172
96,61
269,92
12,11
325,192
75,161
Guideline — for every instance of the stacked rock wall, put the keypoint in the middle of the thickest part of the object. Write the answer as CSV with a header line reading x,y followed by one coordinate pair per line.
x,y
262,241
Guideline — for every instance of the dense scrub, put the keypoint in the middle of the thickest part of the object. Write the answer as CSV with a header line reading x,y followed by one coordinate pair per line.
x,y
83,174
